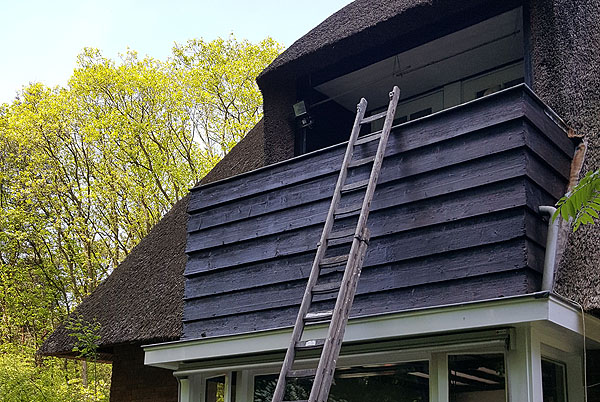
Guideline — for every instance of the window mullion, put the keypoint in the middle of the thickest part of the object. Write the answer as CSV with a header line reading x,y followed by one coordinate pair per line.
x,y
438,380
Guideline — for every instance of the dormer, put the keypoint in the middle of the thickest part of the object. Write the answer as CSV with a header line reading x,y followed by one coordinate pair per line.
x,y
439,59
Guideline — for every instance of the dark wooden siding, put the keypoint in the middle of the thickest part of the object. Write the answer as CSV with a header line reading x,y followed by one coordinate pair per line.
x,y
454,219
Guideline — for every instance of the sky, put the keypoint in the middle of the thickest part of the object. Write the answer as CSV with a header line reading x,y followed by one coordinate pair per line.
x,y
40,39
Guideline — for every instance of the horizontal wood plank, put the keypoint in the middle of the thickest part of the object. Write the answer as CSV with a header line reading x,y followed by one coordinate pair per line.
x,y
459,178
487,143
390,248
436,294
457,265
411,272
410,216
470,118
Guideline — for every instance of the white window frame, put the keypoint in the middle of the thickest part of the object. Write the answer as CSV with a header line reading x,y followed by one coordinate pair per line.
x,y
435,355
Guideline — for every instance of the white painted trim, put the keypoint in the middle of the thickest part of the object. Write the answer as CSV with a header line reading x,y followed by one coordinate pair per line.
x,y
439,390
396,356
184,390
500,312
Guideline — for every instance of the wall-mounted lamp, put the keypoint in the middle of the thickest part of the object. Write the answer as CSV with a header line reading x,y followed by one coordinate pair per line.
x,y
301,113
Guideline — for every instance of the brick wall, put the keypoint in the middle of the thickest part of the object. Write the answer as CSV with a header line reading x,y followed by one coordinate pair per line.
x,y
134,382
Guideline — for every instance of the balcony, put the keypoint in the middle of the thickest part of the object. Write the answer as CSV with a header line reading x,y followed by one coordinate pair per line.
x,y
454,219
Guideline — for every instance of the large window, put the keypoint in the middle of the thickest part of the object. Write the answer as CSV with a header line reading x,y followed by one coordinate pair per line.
x,y
478,366
403,382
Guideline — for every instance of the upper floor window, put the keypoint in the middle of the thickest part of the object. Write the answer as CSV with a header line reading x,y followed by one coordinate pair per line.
x,y
453,69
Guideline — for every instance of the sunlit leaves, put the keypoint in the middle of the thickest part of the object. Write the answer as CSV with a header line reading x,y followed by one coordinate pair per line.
x,y
219,90
87,170
582,204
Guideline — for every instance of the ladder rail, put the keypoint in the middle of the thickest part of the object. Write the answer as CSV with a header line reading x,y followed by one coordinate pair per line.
x,y
328,356
340,328
324,374
321,249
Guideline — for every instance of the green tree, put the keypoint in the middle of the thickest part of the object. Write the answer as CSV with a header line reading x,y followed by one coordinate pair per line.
x,y
582,204
87,170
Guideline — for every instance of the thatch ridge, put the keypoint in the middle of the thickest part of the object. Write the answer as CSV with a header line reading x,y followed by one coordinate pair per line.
x,y
142,300
356,17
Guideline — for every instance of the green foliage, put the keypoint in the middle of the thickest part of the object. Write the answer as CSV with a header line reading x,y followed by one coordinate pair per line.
x,y
22,379
87,335
87,170
582,204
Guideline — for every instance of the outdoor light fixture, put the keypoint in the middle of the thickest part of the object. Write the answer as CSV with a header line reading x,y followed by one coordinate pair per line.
x,y
301,113
300,109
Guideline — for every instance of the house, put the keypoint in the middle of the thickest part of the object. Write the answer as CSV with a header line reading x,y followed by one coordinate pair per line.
x,y
459,299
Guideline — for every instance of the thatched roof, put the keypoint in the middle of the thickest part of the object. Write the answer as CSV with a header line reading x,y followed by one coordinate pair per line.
x,y
142,300
568,81
356,17
368,26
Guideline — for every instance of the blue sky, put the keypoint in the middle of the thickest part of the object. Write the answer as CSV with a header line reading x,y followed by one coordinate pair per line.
x,y
40,39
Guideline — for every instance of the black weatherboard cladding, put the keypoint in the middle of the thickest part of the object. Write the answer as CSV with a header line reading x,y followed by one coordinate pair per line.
x,y
454,219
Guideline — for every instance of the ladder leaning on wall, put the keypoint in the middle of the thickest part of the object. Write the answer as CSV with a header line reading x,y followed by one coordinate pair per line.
x,y
359,236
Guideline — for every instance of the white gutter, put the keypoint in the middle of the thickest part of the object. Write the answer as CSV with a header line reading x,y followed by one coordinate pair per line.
x,y
494,313
551,242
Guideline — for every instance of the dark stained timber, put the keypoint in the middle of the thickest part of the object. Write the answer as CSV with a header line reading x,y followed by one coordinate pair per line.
x,y
454,218
441,293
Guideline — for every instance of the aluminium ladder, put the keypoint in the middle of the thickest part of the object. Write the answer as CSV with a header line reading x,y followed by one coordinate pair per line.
x,y
338,317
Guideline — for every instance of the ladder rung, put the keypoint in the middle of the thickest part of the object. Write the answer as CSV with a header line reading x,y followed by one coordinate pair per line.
x,y
340,237
377,116
360,162
334,261
355,186
348,210
301,373
341,241
368,138
329,270
310,344
326,288
341,234
318,316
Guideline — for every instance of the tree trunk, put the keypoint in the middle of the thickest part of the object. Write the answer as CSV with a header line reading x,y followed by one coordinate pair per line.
x,y
84,373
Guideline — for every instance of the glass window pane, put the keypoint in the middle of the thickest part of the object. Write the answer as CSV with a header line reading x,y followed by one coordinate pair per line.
x,y
215,389
553,381
404,382
477,378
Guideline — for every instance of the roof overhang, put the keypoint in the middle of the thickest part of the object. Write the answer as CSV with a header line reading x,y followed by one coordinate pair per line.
x,y
368,27
542,309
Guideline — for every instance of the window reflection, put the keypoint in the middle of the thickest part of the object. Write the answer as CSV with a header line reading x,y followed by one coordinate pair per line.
x,y
477,378
404,382
553,381
215,389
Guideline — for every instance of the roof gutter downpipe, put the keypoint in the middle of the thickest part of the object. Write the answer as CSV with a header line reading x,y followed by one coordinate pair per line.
x,y
551,242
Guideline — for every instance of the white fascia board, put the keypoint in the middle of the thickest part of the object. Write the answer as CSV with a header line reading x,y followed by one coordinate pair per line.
x,y
508,311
